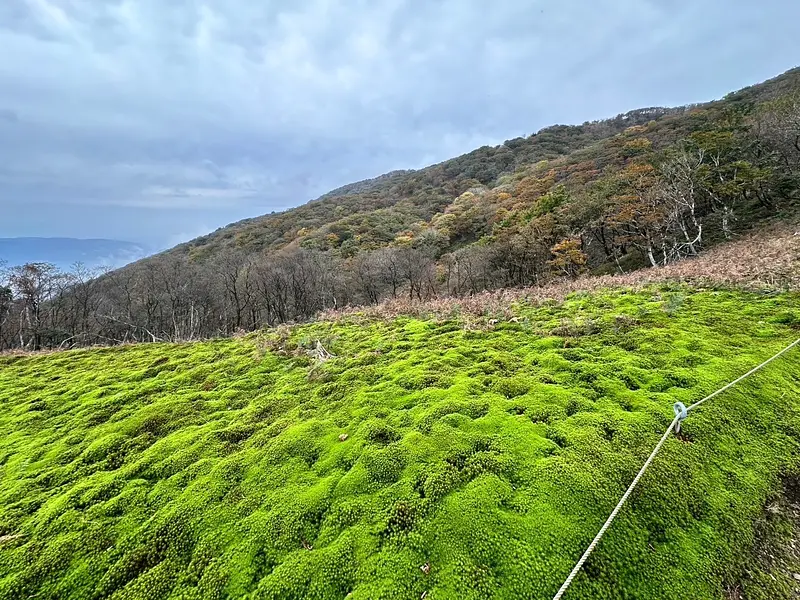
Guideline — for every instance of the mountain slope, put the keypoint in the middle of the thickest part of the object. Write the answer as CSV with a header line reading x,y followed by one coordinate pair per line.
x,y
402,199
651,187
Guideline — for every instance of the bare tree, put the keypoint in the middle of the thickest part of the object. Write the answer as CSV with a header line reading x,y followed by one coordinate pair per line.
x,y
390,264
416,269
366,276
33,284
232,269
680,188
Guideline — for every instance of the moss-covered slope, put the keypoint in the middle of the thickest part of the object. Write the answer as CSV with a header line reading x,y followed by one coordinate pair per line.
x,y
423,458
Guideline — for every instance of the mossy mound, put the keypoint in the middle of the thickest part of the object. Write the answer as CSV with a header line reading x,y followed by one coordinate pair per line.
x,y
423,458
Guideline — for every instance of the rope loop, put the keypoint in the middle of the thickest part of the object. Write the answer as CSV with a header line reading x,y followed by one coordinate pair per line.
x,y
680,414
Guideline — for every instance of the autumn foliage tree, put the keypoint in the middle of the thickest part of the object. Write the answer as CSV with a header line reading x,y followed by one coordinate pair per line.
x,y
568,258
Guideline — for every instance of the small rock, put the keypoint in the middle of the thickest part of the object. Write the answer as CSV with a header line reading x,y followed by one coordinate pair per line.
x,y
426,568
343,437
8,538
796,576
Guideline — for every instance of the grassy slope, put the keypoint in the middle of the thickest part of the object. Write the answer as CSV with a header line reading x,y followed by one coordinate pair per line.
x,y
212,469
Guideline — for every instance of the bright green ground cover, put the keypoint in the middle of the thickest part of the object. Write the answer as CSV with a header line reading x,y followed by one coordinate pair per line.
x,y
215,469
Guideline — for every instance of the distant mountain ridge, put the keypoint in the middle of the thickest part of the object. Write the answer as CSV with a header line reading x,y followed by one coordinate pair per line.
x,y
365,184
64,252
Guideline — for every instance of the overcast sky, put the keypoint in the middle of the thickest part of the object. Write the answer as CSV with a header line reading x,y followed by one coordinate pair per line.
x,y
157,120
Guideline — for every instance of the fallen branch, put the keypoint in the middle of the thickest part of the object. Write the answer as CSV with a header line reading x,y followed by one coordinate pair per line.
x,y
320,353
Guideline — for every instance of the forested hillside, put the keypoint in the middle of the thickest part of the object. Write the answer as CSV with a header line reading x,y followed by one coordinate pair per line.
x,y
647,188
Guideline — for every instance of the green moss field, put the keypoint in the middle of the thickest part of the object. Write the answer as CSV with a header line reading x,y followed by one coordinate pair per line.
x,y
425,459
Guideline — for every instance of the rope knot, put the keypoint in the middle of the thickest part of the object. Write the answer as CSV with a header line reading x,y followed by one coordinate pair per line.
x,y
680,415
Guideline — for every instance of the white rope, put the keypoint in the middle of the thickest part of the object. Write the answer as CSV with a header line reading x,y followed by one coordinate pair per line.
x,y
746,375
613,514
678,418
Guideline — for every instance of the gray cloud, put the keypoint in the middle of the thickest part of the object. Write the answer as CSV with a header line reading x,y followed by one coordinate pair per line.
x,y
8,115
154,119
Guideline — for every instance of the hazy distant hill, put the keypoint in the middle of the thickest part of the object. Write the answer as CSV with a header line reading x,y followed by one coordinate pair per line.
x,y
64,252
